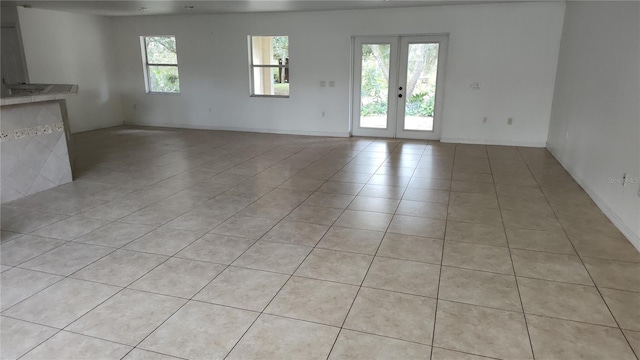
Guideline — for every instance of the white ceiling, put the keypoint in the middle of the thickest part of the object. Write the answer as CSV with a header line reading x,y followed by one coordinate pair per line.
x,y
170,7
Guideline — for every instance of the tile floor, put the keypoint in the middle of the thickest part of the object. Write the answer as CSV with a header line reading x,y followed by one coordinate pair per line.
x,y
203,244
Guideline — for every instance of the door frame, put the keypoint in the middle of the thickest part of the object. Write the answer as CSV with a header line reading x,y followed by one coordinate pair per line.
x,y
398,43
356,80
405,41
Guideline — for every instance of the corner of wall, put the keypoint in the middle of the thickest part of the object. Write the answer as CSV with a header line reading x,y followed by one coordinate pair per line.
x,y
555,85
588,148
84,56
629,233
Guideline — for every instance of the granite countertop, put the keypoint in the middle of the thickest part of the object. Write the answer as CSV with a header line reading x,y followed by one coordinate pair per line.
x,y
49,92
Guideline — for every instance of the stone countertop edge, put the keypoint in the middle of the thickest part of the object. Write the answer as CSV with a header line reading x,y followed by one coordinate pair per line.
x,y
15,100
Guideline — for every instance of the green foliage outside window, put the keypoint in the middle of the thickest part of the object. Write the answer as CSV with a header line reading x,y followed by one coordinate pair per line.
x,y
420,87
164,79
162,64
375,81
420,104
280,48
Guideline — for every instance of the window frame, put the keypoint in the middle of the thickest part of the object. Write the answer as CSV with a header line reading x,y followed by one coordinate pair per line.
x,y
146,65
252,66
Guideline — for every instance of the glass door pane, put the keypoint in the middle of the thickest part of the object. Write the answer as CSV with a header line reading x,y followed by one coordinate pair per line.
x,y
421,77
374,86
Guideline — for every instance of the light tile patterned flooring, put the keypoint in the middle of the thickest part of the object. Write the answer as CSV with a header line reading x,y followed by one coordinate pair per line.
x,y
202,244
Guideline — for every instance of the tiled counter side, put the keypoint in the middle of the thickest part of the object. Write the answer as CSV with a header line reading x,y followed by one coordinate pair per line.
x,y
34,153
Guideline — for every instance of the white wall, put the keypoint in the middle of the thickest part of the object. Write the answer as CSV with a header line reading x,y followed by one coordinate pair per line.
x,y
14,67
8,14
67,48
596,106
511,49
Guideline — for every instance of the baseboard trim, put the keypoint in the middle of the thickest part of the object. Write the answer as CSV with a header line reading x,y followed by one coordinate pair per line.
x,y
538,144
105,126
633,238
240,129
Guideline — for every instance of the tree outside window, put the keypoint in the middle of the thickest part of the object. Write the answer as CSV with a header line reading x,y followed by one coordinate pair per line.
x,y
161,64
269,65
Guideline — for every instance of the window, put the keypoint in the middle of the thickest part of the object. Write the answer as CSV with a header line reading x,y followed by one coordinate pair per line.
x,y
160,59
269,60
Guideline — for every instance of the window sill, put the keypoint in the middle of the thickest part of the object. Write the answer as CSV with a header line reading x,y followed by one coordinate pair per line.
x,y
270,96
162,93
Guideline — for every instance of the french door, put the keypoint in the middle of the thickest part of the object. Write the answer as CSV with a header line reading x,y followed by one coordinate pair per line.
x,y
397,86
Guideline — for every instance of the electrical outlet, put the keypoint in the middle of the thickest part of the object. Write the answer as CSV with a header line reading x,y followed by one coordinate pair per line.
x,y
475,86
484,121
332,83
323,83
510,121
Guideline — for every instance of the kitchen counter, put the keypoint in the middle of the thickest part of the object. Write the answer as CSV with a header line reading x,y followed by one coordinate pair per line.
x,y
28,93
34,137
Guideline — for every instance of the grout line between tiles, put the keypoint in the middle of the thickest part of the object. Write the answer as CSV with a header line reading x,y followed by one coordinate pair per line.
x,y
306,257
366,273
352,155
444,240
227,266
584,266
122,288
513,268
